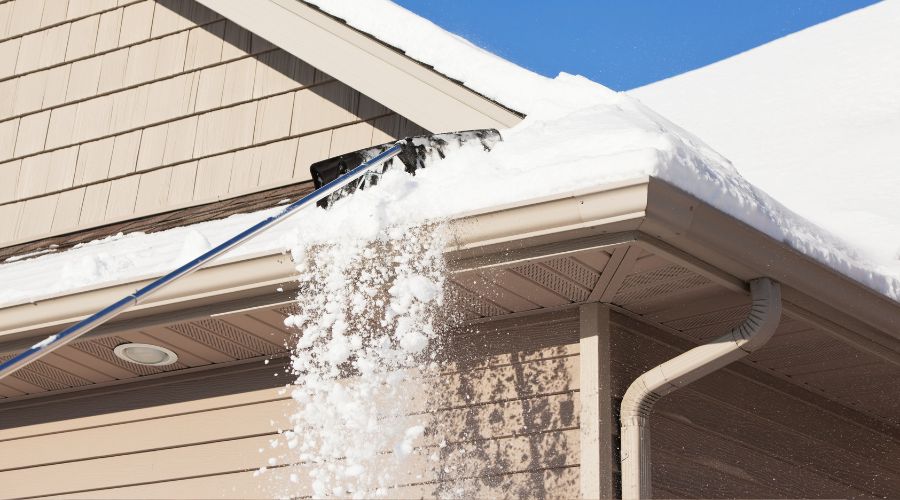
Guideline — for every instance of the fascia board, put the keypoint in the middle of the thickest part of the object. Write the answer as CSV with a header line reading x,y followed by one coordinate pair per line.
x,y
240,280
617,208
811,290
611,208
402,84
647,211
672,223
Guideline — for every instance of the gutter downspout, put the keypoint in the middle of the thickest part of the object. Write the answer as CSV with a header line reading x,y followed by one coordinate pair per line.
x,y
646,390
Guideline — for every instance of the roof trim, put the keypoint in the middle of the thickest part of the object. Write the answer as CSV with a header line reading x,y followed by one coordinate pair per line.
x,y
810,290
239,284
179,216
667,220
648,211
397,81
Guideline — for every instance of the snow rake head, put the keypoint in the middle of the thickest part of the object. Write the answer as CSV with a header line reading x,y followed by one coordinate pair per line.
x,y
416,152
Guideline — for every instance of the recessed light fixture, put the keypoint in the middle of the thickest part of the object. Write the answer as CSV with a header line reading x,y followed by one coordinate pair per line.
x,y
146,354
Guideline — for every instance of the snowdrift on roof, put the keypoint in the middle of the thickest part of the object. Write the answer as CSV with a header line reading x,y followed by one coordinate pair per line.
x,y
813,119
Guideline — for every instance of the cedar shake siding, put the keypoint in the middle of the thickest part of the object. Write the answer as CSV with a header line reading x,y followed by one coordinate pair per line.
x,y
143,115
114,112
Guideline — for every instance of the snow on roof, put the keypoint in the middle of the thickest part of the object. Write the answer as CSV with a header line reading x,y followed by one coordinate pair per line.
x,y
484,72
577,135
813,119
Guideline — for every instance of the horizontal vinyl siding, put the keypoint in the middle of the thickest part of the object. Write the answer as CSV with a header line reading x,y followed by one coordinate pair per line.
x,y
511,413
156,105
505,418
557,483
242,455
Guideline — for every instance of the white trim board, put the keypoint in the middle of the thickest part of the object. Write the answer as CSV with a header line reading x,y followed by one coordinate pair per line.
x,y
420,94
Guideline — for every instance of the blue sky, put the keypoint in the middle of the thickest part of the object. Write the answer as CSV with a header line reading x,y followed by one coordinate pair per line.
x,y
626,43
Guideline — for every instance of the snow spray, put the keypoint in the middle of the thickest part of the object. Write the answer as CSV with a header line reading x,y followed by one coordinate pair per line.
x,y
368,315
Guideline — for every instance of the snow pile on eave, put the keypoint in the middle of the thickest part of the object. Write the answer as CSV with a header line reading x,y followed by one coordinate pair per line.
x,y
814,120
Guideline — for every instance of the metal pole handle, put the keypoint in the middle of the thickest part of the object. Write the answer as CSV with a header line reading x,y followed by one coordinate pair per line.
x,y
71,333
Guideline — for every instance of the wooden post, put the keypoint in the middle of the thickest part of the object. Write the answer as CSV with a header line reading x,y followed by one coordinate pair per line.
x,y
596,419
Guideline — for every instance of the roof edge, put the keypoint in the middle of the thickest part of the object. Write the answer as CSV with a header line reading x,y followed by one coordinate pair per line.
x,y
668,221
246,277
403,84
694,230
648,211
239,283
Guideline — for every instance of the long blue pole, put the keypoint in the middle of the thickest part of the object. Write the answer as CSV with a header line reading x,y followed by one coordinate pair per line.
x,y
62,338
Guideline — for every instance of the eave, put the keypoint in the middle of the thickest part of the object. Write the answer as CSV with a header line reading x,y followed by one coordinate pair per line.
x,y
667,221
646,212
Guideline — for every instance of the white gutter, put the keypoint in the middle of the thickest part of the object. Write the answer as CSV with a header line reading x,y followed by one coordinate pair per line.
x,y
646,390
615,207
665,220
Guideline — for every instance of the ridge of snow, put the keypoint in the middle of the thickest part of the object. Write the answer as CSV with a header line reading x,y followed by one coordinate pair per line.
x,y
451,55
813,119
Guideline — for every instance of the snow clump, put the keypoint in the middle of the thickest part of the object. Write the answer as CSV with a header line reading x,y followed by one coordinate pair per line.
x,y
368,316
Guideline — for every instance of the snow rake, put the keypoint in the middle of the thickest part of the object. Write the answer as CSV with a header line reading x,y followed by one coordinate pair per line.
x,y
333,179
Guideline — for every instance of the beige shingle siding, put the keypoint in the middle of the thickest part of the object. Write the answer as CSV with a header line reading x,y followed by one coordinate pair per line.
x,y
26,16
166,92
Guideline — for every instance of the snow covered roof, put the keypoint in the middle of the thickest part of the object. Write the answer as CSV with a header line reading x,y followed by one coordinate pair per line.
x,y
814,120
763,110
577,135
449,54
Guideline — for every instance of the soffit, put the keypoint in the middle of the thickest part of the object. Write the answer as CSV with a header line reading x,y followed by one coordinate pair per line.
x,y
207,341
669,295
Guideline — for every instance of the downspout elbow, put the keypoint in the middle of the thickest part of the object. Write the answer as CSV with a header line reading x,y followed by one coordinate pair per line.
x,y
749,336
646,390
764,316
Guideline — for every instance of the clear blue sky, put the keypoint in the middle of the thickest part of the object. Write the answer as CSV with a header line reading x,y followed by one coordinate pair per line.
x,y
626,43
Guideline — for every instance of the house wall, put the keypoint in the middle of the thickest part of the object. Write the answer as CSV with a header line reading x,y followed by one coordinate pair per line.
x,y
115,110
509,406
508,410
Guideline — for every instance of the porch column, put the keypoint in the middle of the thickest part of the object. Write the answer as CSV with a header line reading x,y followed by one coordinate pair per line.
x,y
597,426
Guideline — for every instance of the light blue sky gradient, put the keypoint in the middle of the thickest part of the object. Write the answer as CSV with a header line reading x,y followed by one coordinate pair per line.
x,y
626,43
